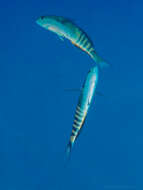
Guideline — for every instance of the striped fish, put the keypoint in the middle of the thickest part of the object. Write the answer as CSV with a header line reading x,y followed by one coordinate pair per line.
x,y
65,28
83,105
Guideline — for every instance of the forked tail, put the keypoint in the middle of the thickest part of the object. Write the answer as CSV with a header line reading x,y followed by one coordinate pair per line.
x,y
98,60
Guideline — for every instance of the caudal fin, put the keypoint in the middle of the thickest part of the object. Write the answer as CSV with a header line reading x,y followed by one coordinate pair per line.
x,y
99,61
69,148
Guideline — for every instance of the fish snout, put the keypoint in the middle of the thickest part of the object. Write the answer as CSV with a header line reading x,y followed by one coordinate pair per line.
x,y
40,20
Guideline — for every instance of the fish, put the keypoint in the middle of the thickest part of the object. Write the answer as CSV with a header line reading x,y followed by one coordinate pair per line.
x,y
65,28
84,102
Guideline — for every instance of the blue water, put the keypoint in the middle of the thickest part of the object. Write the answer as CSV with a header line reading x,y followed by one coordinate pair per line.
x,y
36,112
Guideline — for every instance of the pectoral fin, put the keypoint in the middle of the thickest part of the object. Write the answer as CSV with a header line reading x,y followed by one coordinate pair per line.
x,y
61,37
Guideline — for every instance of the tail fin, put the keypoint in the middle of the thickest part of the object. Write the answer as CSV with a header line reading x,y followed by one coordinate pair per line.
x,y
99,61
69,148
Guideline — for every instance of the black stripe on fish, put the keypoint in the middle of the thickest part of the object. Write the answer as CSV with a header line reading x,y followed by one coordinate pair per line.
x,y
78,117
85,42
79,108
66,21
81,128
76,126
78,120
88,46
77,123
79,114
74,133
79,38
91,49
83,37
75,130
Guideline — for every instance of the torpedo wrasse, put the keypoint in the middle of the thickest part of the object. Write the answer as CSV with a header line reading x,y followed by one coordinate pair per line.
x,y
65,28
84,102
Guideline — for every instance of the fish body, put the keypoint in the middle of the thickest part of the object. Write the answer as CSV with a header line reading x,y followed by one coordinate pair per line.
x,y
83,105
65,28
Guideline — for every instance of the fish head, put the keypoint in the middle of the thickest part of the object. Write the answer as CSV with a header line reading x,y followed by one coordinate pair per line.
x,y
45,21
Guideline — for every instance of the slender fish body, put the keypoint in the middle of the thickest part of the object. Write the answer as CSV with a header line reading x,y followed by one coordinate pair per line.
x,y
83,105
66,28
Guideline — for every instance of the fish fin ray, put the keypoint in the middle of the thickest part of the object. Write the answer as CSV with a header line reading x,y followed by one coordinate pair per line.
x,y
68,149
61,37
99,61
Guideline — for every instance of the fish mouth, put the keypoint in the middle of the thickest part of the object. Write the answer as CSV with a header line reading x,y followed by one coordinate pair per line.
x,y
41,21
38,21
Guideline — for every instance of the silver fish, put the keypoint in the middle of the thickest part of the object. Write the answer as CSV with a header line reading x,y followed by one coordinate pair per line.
x,y
84,102
65,28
